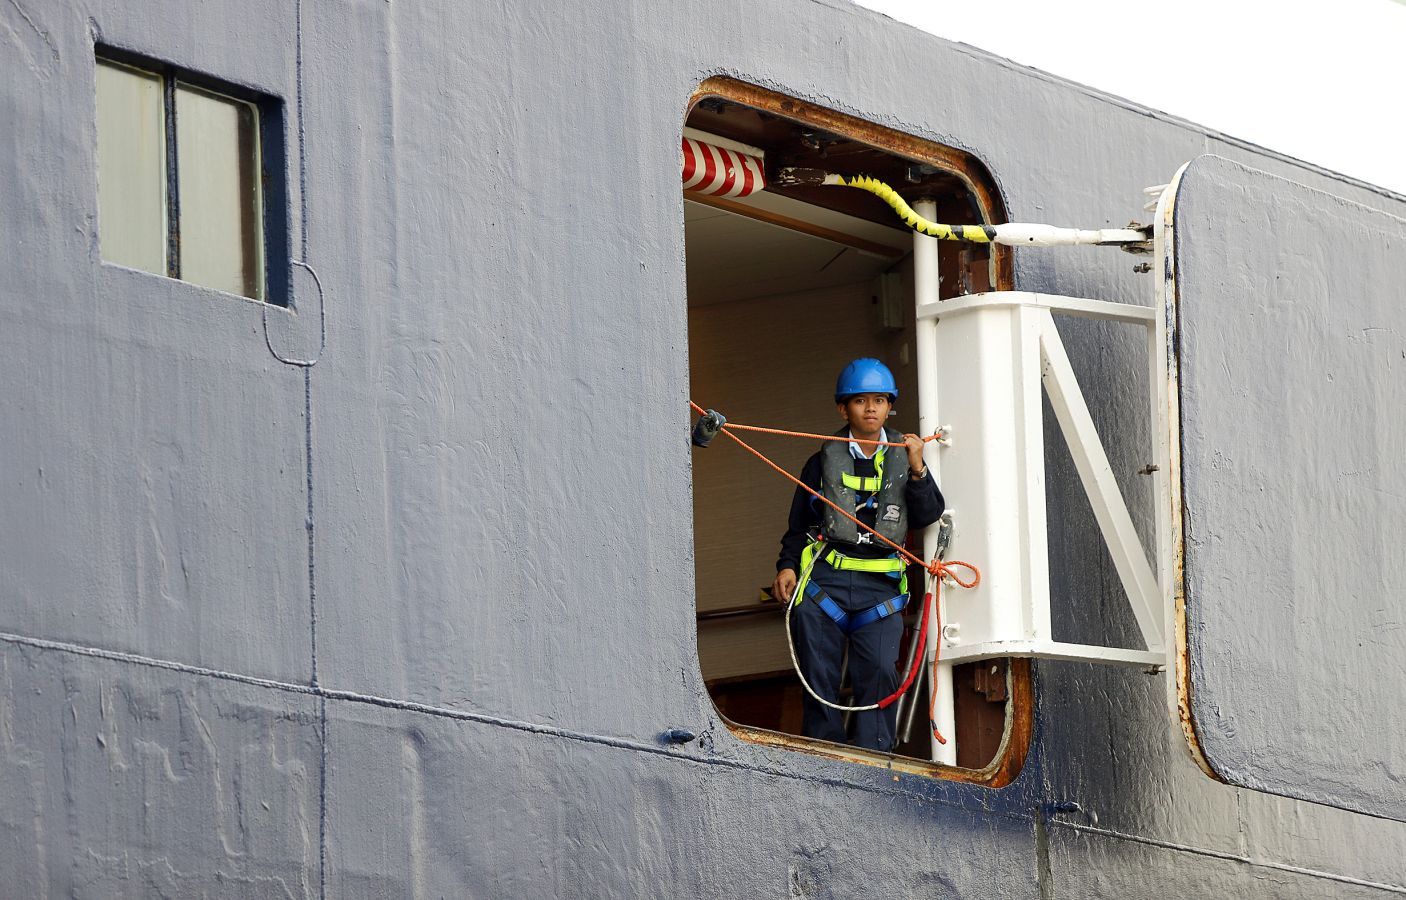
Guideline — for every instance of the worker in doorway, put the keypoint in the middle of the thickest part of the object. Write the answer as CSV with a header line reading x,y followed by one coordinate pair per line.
x,y
850,583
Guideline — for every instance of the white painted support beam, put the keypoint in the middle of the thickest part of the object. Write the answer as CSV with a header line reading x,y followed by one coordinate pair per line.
x,y
1069,306
1028,495
1161,463
1050,649
925,289
1124,545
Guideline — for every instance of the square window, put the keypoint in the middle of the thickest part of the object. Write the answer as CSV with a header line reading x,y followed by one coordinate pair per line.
x,y
181,178
131,168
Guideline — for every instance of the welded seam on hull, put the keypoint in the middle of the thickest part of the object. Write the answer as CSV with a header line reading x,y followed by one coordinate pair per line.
x,y
156,663
485,719
312,619
303,242
302,138
312,568
42,34
322,800
1232,857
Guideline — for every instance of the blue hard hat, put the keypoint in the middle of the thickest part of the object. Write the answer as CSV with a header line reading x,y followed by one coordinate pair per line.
x,y
865,376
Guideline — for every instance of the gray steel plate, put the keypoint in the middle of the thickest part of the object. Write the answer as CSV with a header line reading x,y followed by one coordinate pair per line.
x,y
1291,346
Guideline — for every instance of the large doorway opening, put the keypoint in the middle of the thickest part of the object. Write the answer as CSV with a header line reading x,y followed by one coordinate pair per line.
x,y
786,285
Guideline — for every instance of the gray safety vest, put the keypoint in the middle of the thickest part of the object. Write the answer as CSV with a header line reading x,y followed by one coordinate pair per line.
x,y
842,487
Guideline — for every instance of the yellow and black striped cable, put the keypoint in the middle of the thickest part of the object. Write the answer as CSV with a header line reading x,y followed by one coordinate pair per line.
x,y
975,234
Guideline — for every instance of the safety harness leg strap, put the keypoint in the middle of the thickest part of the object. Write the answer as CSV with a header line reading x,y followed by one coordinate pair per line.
x,y
875,613
849,623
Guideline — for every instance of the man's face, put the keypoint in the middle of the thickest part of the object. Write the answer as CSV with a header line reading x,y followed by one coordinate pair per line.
x,y
865,413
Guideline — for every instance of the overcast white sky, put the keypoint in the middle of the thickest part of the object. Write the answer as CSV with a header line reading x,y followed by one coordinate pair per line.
x,y
1325,83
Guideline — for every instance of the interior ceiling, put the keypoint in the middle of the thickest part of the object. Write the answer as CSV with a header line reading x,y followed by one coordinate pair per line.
x,y
752,248
764,259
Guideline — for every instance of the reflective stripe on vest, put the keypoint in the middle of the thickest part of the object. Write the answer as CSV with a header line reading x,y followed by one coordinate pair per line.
x,y
887,566
856,483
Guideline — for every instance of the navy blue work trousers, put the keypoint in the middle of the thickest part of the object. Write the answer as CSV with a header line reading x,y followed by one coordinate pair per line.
x,y
873,657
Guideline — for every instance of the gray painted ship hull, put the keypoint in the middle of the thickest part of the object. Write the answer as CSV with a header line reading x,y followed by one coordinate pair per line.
x,y
286,616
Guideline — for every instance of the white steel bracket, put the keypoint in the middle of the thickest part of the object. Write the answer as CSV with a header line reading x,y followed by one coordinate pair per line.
x,y
995,352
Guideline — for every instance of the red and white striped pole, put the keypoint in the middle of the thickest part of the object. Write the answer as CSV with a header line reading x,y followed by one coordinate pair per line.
x,y
719,171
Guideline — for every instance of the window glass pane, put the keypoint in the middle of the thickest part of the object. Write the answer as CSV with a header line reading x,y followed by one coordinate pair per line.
x,y
131,168
217,165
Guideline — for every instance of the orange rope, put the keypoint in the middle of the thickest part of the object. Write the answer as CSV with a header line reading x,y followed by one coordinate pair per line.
x,y
937,642
823,437
937,568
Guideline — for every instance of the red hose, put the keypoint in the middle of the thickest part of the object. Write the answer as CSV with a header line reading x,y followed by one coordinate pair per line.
x,y
917,657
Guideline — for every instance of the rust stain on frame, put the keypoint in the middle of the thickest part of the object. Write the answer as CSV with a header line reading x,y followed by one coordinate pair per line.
x,y
1001,771
1171,316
